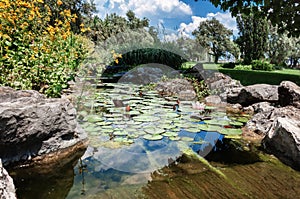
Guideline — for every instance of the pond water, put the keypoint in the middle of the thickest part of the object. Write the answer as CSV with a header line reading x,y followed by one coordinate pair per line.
x,y
141,152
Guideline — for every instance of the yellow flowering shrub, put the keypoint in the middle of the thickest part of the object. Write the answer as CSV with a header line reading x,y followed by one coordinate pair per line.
x,y
33,53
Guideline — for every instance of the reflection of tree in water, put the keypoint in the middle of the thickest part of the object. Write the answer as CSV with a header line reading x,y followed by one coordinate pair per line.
x,y
81,169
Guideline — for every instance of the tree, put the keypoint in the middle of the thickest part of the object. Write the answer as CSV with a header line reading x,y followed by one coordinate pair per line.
x,y
279,46
112,24
253,37
284,13
215,37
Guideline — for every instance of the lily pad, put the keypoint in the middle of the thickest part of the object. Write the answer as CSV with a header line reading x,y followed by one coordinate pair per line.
x,y
236,123
174,138
230,131
170,134
154,131
217,122
152,137
120,133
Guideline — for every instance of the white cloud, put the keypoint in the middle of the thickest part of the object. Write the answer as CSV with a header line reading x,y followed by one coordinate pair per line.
x,y
142,8
225,18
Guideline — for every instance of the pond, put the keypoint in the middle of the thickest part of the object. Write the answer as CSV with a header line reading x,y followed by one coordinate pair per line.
x,y
146,145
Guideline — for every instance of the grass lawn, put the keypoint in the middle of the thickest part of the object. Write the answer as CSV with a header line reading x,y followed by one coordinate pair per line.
x,y
247,77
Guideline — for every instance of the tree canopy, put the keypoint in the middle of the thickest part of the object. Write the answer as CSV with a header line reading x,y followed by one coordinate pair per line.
x,y
284,13
214,36
253,36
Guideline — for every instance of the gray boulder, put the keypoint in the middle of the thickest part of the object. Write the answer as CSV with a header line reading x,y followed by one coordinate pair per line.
x,y
221,84
262,120
253,94
283,140
181,88
7,188
289,94
32,125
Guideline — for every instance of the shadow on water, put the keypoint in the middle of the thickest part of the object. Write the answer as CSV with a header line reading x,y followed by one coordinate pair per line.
x,y
49,181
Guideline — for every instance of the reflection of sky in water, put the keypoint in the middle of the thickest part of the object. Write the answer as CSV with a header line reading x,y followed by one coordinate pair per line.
x,y
146,156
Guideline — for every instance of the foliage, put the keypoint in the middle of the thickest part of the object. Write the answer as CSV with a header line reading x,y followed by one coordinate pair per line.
x,y
228,65
151,55
253,36
200,87
215,37
262,65
34,54
284,13
243,67
111,25
81,8
191,49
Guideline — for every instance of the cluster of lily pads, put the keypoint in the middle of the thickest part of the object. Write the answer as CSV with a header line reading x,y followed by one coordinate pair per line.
x,y
151,117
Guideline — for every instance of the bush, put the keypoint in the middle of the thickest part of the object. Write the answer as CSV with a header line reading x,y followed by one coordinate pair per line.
x,y
262,65
229,65
34,54
243,67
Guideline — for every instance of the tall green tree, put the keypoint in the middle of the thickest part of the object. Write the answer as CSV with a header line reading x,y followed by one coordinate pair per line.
x,y
253,36
215,37
283,13
280,46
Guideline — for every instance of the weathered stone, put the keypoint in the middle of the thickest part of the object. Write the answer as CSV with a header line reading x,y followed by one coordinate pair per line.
x,y
221,84
283,140
32,125
253,94
261,122
213,100
181,88
7,188
289,94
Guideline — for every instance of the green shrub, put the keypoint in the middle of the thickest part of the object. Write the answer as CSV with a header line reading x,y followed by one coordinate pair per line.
x,y
243,67
35,55
262,65
229,65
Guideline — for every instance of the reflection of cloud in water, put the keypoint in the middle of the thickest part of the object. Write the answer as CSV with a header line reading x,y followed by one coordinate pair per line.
x,y
137,158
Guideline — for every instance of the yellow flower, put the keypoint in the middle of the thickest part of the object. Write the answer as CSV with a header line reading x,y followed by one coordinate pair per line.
x,y
59,2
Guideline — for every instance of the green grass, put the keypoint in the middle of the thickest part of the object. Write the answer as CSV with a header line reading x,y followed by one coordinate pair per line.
x,y
247,77
258,77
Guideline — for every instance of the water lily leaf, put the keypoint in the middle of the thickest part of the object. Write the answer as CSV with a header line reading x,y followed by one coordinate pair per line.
x,y
242,119
93,129
233,136
206,127
94,118
217,122
146,118
171,114
154,131
120,133
152,137
193,129
209,107
174,138
170,134
236,123
230,131
104,123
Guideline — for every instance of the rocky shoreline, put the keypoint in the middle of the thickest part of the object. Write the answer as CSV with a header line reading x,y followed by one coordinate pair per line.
x,y
37,131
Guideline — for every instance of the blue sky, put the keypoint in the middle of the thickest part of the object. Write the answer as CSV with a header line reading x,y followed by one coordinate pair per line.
x,y
179,16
